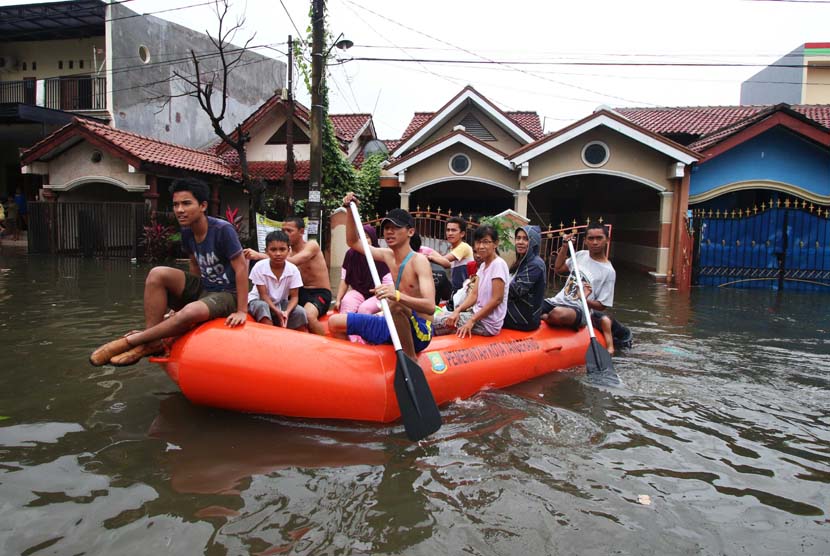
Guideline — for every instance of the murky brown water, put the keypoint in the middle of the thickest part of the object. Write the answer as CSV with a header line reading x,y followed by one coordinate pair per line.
x,y
719,443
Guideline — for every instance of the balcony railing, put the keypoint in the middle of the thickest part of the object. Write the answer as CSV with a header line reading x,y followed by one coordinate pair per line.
x,y
73,93
18,91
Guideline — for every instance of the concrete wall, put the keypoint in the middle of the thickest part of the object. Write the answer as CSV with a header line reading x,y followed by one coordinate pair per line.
x,y
776,155
47,54
626,156
817,83
182,120
258,149
76,163
773,84
437,167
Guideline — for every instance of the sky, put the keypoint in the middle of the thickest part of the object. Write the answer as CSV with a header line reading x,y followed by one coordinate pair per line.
x,y
563,40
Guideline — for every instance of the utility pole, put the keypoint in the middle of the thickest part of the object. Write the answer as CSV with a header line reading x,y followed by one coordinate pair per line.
x,y
316,178
290,167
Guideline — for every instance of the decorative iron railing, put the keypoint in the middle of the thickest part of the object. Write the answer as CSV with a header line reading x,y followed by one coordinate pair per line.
x,y
431,226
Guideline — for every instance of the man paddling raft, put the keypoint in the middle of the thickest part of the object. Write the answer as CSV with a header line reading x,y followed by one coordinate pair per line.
x,y
216,286
411,299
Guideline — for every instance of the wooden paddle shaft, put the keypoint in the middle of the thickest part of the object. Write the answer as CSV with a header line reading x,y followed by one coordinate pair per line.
x,y
390,322
581,291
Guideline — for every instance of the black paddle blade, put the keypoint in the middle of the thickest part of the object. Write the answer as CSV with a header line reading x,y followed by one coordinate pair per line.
x,y
419,412
597,358
600,369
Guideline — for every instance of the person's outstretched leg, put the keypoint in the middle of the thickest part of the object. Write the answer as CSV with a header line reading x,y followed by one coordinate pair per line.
x,y
161,283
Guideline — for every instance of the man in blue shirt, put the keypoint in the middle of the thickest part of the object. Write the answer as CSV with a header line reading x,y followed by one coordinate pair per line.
x,y
216,286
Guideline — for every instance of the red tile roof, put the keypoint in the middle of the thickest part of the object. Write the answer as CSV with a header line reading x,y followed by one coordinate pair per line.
x,y
131,146
703,120
274,171
529,121
348,126
781,114
417,122
137,149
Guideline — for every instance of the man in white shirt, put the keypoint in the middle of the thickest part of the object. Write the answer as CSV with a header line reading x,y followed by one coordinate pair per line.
x,y
598,279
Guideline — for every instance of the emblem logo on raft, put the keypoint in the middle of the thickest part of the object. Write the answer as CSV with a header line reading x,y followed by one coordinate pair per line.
x,y
437,362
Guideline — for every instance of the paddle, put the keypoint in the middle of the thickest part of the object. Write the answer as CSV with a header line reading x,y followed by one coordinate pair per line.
x,y
419,412
597,358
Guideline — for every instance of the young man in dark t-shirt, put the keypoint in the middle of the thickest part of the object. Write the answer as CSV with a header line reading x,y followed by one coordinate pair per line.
x,y
216,286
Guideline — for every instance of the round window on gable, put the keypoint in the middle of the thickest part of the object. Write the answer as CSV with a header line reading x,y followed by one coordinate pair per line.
x,y
144,54
595,154
460,164
96,157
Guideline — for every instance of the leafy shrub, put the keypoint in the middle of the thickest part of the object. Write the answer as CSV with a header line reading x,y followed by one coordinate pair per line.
x,y
233,216
505,229
159,242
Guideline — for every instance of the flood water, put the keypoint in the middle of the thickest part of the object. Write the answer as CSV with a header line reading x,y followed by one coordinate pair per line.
x,y
718,443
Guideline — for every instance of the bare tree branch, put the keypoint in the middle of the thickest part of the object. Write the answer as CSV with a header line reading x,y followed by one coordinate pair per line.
x,y
208,76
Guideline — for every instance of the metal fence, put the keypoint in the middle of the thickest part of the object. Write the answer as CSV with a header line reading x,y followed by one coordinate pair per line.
x,y
781,244
88,229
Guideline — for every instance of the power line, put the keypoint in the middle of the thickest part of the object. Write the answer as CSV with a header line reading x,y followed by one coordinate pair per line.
x,y
369,25
485,59
291,19
161,11
719,54
560,63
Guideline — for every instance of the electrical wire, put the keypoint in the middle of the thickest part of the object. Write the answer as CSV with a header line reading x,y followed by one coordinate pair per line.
x,y
587,64
487,60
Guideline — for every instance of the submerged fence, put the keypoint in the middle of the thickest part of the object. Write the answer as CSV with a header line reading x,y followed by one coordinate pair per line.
x,y
88,229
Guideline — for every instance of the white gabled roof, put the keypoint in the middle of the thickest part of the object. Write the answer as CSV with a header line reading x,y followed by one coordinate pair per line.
x,y
610,120
453,107
457,137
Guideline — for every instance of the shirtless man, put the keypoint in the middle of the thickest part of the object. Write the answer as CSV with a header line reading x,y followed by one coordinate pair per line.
x,y
411,299
315,295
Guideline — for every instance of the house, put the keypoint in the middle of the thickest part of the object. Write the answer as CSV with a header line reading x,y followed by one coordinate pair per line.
x,y
89,161
759,193
59,60
469,156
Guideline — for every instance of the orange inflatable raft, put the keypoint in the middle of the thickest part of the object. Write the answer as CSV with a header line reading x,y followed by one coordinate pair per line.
x,y
264,369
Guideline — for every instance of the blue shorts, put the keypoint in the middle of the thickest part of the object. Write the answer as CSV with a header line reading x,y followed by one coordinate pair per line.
x,y
373,329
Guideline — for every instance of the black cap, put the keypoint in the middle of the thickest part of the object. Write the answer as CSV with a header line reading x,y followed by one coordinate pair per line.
x,y
399,218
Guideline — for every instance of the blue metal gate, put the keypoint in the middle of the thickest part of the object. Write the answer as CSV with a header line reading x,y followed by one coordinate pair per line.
x,y
781,244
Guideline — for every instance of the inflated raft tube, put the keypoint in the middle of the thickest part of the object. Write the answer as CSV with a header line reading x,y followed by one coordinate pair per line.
x,y
258,368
